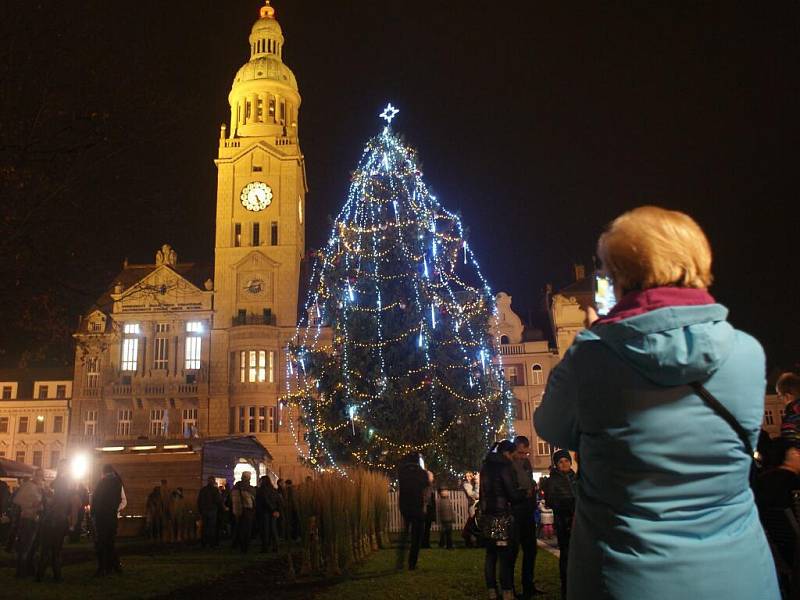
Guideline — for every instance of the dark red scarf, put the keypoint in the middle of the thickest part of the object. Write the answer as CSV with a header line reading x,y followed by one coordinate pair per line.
x,y
642,301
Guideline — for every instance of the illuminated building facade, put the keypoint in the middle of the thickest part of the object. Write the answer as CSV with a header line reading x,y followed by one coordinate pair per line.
x,y
34,415
527,364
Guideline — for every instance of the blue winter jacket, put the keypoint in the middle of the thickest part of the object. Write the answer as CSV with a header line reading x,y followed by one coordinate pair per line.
x,y
664,508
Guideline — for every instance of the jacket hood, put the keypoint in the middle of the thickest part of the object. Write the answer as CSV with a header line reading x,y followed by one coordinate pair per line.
x,y
671,346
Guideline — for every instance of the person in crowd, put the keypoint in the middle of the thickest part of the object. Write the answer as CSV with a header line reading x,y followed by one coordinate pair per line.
x,y
243,500
499,491
153,519
788,390
430,511
283,524
559,494
106,501
412,481
164,511
79,500
470,488
30,501
663,505
55,523
179,511
774,494
290,508
209,505
269,506
525,516
5,517
446,516
225,518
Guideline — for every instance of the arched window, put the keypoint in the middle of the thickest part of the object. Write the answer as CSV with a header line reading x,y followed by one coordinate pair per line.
x,y
504,339
537,374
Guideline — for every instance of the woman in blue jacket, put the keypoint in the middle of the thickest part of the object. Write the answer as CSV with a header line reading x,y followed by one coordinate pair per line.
x,y
664,509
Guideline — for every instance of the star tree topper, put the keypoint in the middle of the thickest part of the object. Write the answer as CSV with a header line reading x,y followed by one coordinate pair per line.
x,y
389,113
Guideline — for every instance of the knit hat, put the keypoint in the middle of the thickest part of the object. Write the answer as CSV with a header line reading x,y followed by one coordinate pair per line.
x,y
559,454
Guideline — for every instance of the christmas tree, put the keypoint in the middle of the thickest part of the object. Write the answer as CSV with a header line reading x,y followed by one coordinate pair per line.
x,y
394,353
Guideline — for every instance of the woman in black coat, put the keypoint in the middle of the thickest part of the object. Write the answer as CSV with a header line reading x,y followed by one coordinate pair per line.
x,y
498,490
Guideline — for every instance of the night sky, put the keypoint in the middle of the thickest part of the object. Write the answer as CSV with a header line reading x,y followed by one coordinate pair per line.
x,y
538,122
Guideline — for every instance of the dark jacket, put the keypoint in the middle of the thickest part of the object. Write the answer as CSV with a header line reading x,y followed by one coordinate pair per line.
x,y
413,484
559,493
268,499
499,488
107,497
209,499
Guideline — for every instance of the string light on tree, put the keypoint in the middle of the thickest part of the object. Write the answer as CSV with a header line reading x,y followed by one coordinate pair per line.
x,y
393,353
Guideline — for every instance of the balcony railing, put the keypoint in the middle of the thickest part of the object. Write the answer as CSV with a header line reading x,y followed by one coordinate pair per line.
x,y
265,319
506,349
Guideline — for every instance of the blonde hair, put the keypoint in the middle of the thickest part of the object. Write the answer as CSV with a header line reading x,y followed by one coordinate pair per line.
x,y
650,247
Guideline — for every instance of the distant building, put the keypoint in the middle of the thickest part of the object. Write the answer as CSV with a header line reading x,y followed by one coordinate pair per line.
x,y
142,354
526,364
34,415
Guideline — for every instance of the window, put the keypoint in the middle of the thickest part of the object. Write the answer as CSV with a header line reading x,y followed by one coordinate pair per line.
x,y
251,419
97,326
262,419
37,458
237,234
260,109
55,456
130,346
271,422
769,419
512,373
241,419
7,392
274,233
58,424
161,347
3,424
189,422
39,426
93,372
61,391
124,421
272,109
256,234
157,421
22,426
503,339
20,457
538,374
257,168
43,392
256,366
283,112
543,448
90,424
2,453
247,110
194,342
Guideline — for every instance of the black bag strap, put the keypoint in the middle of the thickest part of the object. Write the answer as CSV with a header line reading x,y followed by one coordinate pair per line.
x,y
723,412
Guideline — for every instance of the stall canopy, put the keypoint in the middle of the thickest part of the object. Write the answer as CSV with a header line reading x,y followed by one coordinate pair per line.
x,y
221,455
12,468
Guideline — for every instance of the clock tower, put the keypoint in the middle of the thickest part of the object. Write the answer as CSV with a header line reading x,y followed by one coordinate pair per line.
x,y
259,244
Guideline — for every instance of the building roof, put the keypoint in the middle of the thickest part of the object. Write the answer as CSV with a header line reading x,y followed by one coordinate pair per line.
x,y
25,378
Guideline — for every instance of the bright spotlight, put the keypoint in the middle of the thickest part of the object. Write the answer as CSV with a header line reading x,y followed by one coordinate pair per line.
x,y
79,466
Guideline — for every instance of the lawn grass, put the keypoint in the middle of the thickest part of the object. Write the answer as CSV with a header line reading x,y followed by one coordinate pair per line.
x,y
145,575
197,574
440,575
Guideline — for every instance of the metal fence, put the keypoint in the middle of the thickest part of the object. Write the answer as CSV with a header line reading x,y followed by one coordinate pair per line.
x,y
457,498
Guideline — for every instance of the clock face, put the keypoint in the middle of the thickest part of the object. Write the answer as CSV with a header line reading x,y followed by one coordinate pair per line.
x,y
256,196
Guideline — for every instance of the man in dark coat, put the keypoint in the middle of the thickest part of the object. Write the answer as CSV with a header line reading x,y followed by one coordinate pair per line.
x,y
209,505
55,524
559,494
105,504
413,484
524,510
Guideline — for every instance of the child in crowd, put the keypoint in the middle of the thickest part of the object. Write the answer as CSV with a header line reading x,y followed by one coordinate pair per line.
x,y
788,390
446,518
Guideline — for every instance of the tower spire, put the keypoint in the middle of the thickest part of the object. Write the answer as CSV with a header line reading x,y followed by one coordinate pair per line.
x,y
267,12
